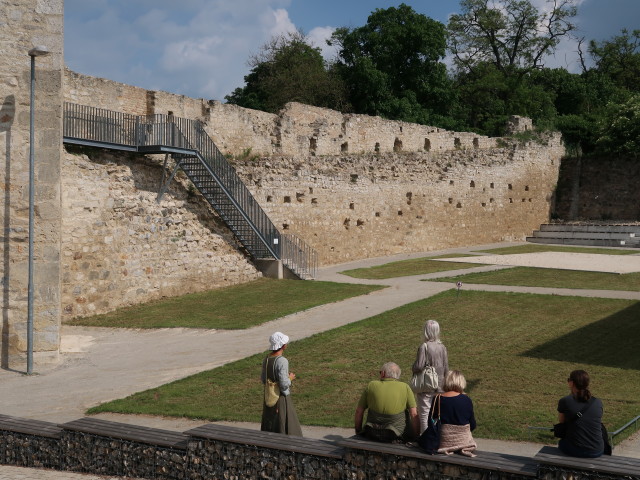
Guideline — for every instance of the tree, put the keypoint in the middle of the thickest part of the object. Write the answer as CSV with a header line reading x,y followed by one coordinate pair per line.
x,y
620,128
392,65
511,34
288,69
619,58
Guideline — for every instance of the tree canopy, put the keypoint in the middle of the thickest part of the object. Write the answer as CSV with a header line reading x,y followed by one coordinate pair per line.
x,y
288,69
393,65
513,35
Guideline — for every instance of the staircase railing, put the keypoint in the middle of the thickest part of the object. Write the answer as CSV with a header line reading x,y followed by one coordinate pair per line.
x,y
188,137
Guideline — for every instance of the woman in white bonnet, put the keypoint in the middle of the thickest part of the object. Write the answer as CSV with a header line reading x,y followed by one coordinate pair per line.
x,y
282,417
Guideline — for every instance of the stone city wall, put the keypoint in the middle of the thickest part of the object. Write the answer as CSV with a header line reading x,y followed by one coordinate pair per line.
x,y
358,206
120,247
24,25
599,189
355,186
299,130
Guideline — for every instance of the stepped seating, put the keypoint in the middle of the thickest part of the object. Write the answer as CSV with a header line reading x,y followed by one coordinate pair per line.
x,y
592,234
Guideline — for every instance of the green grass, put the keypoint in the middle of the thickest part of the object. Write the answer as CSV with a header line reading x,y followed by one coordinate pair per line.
x,y
515,350
236,307
402,268
552,278
536,248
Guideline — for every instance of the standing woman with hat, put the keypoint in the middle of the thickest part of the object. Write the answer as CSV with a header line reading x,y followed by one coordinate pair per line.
x,y
282,416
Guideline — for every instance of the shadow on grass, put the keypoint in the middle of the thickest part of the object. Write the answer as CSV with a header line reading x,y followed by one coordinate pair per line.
x,y
610,342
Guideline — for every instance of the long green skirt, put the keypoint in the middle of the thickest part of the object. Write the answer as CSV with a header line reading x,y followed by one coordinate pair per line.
x,y
281,418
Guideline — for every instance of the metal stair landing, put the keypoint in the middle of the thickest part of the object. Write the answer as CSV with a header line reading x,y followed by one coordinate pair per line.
x,y
197,155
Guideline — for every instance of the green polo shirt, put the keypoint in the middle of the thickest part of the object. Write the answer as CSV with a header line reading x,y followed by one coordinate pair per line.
x,y
387,396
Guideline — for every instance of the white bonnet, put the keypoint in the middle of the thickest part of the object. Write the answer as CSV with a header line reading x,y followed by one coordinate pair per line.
x,y
277,340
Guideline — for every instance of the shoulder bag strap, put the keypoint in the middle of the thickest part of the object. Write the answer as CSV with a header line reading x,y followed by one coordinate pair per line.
x,y
273,367
583,410
426,354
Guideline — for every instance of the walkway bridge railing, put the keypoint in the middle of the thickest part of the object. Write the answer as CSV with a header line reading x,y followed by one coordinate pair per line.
x,y
197,155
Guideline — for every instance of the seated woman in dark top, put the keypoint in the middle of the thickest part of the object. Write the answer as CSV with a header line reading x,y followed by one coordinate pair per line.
x,y
456,416
584,432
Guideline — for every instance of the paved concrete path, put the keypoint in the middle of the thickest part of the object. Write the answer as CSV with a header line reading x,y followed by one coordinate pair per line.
x,y
103,364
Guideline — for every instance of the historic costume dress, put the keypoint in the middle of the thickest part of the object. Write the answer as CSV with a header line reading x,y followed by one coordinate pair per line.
x,y
282,417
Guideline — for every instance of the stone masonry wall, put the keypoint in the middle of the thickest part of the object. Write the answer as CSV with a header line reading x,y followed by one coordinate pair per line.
x,y
298,130
25,24
355,186
358,206
120,247
599,189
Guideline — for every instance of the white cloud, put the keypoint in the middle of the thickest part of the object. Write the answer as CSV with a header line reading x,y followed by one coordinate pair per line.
x,y
318,38
278,22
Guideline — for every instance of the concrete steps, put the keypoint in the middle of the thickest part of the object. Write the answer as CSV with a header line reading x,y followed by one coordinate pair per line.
x,y
600,235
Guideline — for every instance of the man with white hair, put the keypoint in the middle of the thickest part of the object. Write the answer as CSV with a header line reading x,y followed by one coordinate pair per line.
x,y
392,415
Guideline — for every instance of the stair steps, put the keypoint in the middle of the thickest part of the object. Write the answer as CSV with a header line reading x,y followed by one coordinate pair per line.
x,y
597,235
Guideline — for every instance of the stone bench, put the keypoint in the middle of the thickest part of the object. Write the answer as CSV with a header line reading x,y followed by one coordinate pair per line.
x,y
413,462
29,443
556,465
219,451
110,448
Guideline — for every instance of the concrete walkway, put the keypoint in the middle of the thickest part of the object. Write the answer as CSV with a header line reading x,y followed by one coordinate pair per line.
x,y
104,364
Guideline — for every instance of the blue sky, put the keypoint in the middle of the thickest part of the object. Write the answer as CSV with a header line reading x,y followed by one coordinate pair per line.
x,y
200,48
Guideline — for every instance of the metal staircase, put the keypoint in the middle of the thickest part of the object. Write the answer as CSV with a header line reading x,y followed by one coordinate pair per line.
x,y
197,155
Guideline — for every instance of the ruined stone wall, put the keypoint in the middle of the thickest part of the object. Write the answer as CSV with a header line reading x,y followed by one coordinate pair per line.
x,y
298,130
355,186
599,189
120,247
358,206
24,25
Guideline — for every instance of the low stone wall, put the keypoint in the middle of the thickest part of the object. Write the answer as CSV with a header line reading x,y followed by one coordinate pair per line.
x,y
214,451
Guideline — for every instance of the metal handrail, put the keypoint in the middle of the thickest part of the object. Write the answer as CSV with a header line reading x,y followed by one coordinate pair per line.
x,y
612,435
148,131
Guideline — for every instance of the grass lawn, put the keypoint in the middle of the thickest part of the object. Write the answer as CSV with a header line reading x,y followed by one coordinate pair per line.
x,y
235,307
536,248
515,350
548,277
402,268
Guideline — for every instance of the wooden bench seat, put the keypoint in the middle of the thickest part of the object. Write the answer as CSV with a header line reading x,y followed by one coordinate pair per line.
x,y
243,436
485,460
132,433
614,465
29,427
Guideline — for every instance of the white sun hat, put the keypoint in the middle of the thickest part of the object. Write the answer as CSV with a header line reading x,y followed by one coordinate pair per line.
x,y
277,340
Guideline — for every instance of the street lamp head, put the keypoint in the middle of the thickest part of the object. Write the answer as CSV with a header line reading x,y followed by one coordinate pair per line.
x,y
39,51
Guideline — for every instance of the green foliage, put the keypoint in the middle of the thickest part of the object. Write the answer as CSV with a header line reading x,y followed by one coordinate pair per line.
x,y
488,97
289,70
507,33
392,65
619,59
620,128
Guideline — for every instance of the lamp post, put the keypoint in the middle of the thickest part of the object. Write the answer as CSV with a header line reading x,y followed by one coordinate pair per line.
x,y
38,51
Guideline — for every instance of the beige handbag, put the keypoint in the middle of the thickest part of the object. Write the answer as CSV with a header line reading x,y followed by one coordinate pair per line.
x,y
271,388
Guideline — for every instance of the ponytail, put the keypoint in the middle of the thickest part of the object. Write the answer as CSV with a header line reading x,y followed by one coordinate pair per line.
x,y
580,380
